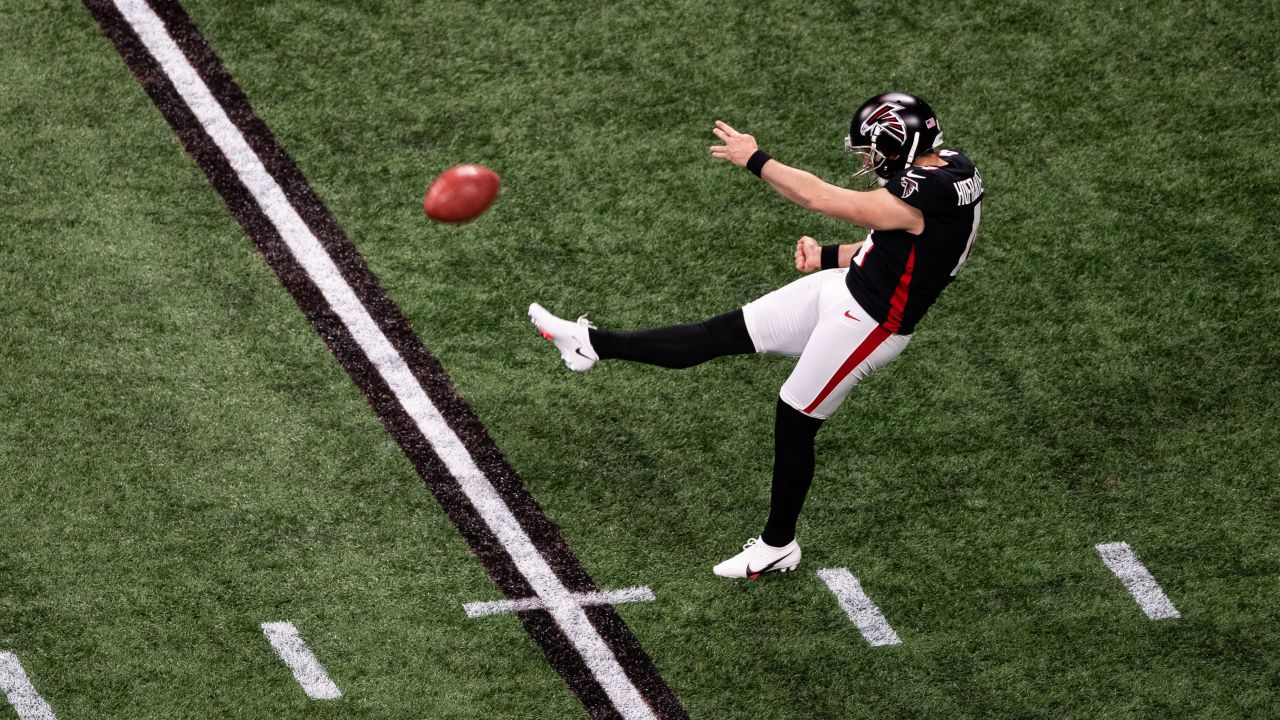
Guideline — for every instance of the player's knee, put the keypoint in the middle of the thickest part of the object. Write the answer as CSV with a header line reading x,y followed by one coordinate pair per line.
x,y
729,330
808,410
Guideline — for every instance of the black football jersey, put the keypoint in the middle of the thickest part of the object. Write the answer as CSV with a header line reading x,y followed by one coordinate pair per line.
x,y
896,276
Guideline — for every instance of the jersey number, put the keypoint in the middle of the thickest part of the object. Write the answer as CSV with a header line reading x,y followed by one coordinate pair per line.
x,y
977,216
867,245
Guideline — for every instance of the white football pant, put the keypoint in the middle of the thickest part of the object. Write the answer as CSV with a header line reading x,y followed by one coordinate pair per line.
x,y
838,343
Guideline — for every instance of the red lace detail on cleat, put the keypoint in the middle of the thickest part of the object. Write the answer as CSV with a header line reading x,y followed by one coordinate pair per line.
x,y
545,334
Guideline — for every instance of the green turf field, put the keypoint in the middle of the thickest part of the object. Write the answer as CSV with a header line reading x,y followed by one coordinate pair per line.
x,y
181,458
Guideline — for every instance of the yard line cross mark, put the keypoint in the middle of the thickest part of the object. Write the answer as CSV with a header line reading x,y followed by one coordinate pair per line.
x,y
587,599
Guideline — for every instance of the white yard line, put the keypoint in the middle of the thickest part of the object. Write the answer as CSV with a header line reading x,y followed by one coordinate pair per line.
x,y
860,609
310,254
308,671
600,597
20,692
1124,562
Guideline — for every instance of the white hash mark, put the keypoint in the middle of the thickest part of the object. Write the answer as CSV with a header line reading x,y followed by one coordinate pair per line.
x,y
860,609
308,671
20,692
1124,562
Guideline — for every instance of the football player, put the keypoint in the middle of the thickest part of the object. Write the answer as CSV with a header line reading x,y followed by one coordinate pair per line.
x,y
853,314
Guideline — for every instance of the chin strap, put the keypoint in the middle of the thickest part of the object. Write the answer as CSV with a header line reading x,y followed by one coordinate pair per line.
x,y
915,142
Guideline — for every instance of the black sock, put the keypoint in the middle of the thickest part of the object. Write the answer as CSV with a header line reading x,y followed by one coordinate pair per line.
x,y
793,436
677,346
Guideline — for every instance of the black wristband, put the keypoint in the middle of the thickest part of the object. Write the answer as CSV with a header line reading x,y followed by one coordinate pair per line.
x,y
830,257
756,162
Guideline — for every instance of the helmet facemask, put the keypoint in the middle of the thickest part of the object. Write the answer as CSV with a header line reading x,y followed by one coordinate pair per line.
x,y
870,160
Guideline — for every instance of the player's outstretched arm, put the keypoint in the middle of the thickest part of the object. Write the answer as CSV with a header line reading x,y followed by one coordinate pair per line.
x,y
875,210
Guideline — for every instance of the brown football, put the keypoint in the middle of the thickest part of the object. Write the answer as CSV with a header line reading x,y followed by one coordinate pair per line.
x,y
461,193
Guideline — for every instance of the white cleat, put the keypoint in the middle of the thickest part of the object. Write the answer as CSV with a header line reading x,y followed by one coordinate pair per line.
x,y
757,558
571,338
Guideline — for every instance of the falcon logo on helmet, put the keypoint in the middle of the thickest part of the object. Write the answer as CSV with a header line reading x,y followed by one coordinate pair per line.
x,y
887,117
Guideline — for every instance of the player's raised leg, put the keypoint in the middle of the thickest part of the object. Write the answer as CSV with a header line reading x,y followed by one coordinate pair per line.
x,y
678,346
675,346
778,323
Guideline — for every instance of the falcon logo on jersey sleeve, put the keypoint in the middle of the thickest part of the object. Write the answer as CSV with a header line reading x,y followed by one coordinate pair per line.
x,y
887,117
908,186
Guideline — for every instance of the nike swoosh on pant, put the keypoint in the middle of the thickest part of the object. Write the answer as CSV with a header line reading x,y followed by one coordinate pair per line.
x,y
846,314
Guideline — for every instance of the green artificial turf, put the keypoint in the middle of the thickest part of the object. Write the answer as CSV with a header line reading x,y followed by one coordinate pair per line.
x,y
181,459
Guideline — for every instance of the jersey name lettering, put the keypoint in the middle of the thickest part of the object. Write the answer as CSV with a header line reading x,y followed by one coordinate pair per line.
x,y
969,190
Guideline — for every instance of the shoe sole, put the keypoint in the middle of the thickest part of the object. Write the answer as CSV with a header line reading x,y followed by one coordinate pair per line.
x,y
753,576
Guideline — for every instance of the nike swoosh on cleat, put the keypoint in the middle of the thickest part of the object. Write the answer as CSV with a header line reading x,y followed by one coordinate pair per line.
x,y
753,575
579,351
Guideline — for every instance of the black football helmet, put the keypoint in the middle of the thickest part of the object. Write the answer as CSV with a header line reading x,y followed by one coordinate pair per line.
x,y
890,131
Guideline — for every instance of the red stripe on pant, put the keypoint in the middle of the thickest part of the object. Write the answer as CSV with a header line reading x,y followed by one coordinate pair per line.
x,y
868,345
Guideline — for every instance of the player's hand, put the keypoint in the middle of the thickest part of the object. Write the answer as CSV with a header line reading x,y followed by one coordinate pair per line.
x,y
737,148
808,255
